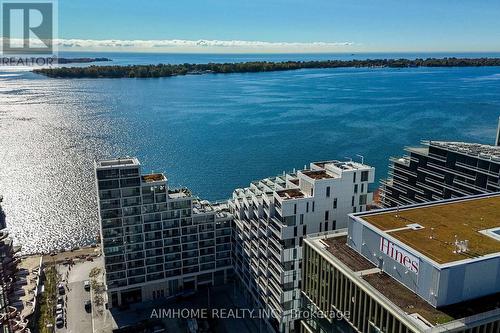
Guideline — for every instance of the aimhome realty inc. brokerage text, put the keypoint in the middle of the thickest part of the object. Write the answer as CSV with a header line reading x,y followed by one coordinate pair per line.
x,y
224,313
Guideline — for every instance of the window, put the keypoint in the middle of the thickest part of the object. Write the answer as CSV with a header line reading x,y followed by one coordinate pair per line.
x,y
355,188
354,209
301,219
326,226
362,188
364,176
354,177
295,209
328,191
352,201
327,213
313,207
304,230
335,203
362,199
307,207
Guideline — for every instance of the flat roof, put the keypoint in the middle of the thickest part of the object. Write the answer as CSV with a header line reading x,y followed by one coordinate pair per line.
x,y
432,229
117,162
343,165
339,248
393,290
411,303
467,148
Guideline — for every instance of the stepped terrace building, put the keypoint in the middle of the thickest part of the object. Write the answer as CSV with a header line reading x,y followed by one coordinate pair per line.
x,y
429,268
157,241
271,218
441,170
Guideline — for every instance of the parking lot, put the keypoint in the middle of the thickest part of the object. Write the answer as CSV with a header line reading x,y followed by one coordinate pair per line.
x,y
77,319
101,320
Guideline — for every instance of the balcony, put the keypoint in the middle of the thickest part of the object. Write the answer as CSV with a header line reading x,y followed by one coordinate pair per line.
x,y
255,233
277,308
471,186
246,233
475,169
495,185
246,251
434,174
254,268
275,227
437,157
254,251
274,252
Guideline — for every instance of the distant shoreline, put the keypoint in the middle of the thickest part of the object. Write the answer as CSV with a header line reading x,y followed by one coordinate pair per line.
x,y
80,60
167,70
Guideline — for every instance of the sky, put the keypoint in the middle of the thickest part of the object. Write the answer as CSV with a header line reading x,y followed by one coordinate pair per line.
x,y
280,25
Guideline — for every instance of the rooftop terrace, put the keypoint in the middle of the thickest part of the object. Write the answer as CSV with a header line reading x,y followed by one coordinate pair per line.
x,y
154,177
433,228
317,174
291,193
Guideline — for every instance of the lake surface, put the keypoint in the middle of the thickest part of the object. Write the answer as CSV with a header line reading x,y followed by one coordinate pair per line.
x,y
215,133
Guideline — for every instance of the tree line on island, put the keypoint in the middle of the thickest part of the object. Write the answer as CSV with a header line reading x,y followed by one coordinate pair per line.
x,y
167,70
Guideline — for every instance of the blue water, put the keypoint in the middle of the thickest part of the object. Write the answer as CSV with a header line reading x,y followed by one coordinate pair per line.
x,y
215,133
124,58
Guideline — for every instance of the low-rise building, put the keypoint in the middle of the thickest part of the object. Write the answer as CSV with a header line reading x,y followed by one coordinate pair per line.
x,y
271,218
157,241
432,267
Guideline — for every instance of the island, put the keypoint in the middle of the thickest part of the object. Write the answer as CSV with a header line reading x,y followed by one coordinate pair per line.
x,y
167,70
79,60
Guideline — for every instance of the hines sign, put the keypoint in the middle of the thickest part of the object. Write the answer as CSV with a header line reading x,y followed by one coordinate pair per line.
x,y
403,257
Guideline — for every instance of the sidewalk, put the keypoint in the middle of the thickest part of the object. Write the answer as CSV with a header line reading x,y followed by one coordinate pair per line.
x,y
102,319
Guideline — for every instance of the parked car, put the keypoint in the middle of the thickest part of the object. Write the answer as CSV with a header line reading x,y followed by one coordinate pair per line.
x,y
88,306
86,285
60,300
60,323
60,288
